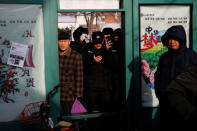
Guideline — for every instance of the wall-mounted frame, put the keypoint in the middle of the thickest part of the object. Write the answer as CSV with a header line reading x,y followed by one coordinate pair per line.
x,y
50,55
154,21
142,106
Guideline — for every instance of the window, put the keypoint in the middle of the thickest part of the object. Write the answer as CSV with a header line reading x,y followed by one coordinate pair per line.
x,y
100,20
89,4
93,15
77,23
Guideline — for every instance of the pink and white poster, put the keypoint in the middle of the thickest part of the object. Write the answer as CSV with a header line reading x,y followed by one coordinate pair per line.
x,y
21,83
154,21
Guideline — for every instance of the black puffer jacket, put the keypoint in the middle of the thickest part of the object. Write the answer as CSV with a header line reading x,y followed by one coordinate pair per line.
x,y
181,95
172,63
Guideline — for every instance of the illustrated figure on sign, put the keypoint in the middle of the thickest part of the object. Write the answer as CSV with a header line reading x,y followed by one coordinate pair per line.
x,y
147,74
7,87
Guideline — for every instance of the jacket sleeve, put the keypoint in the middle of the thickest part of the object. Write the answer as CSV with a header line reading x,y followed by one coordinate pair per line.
x,y
79,76
178,92
157,78
88,59
194,59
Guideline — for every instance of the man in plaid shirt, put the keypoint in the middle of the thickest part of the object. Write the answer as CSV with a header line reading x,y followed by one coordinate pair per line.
x,y
71,73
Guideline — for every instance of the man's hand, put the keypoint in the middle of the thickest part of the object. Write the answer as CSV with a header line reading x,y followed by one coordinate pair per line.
x,y
97,58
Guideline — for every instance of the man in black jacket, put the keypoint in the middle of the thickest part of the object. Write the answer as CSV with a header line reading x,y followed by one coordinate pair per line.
x,y
172,63
81,40
97,74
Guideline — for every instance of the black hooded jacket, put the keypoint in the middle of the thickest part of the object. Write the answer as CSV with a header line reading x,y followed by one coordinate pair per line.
x,y
173,63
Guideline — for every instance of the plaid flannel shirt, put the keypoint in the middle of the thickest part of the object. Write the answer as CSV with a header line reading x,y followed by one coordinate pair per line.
x,y
71,76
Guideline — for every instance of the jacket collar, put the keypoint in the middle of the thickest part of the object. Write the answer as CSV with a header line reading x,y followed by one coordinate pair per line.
x,y
67,52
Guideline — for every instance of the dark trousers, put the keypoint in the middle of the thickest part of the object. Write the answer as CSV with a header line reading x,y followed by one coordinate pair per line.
x,y
98,100
66,109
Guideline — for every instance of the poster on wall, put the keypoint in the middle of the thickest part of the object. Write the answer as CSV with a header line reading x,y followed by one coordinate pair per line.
x,y
17,54
22,79
154,21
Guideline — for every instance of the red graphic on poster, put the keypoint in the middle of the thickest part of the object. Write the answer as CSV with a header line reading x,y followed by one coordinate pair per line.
x,y
29,59
7,87
26,93
149,42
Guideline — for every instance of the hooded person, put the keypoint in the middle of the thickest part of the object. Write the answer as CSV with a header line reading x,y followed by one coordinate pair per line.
x,y
175,60
172,63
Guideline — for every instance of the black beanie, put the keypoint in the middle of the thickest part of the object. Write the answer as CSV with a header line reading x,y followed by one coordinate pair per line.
x,y
78,32
108,31
64,36
117,32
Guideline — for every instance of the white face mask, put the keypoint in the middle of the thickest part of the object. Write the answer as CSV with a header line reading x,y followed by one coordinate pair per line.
x,y
85,37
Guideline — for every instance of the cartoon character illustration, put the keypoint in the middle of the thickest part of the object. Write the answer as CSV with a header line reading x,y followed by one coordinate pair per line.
x,y
7,88
147,74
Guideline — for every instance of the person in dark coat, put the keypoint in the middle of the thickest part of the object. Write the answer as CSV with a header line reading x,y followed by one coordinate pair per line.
x,y
118,66
81,39
117,39
172,63
181,96
108,37
97,75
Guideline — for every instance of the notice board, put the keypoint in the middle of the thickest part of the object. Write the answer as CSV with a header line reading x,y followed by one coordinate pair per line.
x,y
21,29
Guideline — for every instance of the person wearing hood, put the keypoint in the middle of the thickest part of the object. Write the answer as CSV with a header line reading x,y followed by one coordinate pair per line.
x,y
172,63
